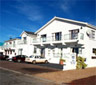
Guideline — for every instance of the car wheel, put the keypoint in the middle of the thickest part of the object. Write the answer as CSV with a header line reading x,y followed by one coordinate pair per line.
x,y
46,61
34,62
19,60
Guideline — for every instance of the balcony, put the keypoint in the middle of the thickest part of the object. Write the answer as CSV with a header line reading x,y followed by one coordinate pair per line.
x,y
66,38
9,46
21,42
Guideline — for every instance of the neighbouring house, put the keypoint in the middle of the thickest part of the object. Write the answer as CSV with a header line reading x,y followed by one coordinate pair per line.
x,y
10,47
1,48
21,45
25,45
67,39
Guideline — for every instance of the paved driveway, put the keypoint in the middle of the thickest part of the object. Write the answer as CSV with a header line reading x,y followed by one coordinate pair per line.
x,y
27,68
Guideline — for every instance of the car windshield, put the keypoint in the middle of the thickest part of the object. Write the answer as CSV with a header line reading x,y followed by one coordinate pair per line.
x,y
31,56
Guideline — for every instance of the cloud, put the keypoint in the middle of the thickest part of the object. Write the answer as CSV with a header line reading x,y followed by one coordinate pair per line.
x,y
66,5
32,12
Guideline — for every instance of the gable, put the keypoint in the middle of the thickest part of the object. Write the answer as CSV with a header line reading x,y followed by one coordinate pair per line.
x,y
67,21
58,26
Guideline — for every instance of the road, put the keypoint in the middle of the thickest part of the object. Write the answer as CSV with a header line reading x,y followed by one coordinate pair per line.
x,y
12,78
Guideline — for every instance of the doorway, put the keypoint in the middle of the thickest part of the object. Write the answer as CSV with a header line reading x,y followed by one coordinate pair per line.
x,y
43,52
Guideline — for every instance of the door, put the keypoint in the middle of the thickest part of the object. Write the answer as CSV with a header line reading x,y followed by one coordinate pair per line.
x,y
43,52
75,50
20,51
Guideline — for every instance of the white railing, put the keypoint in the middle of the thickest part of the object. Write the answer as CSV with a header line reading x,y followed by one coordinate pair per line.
x,y
70,36
64,37
9,46
22,42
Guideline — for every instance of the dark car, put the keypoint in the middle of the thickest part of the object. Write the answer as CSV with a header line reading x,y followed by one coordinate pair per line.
x,y
19,58
3,57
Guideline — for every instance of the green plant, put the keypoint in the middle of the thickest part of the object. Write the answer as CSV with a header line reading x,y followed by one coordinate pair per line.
x,y
81,63
62,60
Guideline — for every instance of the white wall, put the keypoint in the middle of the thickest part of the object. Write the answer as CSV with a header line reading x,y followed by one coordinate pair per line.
x,y
28,48
58,26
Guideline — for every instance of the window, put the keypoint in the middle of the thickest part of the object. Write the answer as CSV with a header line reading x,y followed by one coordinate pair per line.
x,y
43,37
56,36
25,40
93,34
34,49
48,52
94,51
74,34
10,42
80,50
13,43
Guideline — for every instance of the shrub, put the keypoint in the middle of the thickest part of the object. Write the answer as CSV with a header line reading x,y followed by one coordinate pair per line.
x,y
80,63
63,60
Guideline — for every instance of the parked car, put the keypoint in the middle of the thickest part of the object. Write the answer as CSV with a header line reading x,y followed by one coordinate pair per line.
x,y
9,59
19,58
3,57
36,59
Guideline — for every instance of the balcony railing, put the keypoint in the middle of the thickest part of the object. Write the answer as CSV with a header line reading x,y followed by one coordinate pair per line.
x,y
22,42
70,36
60,38
9,46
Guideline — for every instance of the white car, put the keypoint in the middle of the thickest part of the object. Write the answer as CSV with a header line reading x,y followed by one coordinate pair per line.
x,y
36,59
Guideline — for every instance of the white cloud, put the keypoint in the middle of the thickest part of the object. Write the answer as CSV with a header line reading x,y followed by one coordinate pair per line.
x,y
32,12
64,5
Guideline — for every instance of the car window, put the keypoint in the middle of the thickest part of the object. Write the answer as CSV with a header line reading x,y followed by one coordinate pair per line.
x,y
22,56
17,56
31,56
36,56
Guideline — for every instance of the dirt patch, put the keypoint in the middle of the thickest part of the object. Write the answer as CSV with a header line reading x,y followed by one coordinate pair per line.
x,y
70,76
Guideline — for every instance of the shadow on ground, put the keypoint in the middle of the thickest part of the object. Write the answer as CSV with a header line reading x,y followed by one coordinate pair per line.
x,y
38,70
85,81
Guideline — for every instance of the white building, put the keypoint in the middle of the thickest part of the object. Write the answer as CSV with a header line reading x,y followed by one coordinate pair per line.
x,y
67,39
25,45
20,46
1,50
10,47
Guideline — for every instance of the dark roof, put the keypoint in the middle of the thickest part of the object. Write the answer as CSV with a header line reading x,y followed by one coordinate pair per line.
x,y
30,32
18,37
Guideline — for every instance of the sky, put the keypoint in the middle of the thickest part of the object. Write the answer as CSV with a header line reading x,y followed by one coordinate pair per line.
x,y
30,15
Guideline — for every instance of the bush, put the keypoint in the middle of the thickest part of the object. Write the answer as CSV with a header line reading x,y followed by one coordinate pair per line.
x,y
80,63
63,60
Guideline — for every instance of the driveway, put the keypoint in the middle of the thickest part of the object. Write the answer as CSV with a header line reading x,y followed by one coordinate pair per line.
x,y
27,68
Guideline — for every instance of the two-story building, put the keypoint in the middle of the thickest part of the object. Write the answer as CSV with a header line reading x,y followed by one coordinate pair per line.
x,y
67,39
25,45
21,45
10,47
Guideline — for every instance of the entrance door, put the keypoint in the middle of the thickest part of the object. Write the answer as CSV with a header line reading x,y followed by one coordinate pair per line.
x,y
43,52
75,50
20,51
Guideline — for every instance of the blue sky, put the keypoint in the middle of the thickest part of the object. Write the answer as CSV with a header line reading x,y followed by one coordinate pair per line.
x,y
30,15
